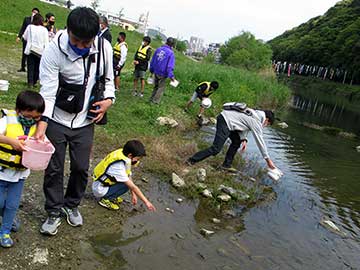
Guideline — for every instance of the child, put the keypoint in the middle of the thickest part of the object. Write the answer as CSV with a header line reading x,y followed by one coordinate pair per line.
x,y
13,126
112,176
202,91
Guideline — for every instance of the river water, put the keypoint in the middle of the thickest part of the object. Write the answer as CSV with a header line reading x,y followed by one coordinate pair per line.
x,y
322,179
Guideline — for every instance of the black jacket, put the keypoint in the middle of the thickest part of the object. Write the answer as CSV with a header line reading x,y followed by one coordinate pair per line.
x,y
26,22
107,35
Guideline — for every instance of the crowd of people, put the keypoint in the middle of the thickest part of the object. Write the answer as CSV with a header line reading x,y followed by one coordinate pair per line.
x,y
79,71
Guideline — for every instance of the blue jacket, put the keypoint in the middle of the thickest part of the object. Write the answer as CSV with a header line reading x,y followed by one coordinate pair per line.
x,y
163,62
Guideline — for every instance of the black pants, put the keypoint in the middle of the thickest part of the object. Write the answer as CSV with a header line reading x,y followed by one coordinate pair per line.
x,y
23,56
80,144
221,135
33,69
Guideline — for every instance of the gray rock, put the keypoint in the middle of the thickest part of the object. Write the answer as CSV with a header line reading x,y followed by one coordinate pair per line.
x,y
224,197
201,175
167,121
179,200
215,220
145,179
206,232
169,210
228,190
358,148
207,193
177,181
41,256
229,213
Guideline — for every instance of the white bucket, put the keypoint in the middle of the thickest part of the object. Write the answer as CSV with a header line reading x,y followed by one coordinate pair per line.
x,y
4,85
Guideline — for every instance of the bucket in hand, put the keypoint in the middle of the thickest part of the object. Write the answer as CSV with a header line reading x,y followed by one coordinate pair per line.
x,y
4,85
38,154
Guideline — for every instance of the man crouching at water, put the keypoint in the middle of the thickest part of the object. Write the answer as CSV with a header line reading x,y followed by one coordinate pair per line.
x,y
235,122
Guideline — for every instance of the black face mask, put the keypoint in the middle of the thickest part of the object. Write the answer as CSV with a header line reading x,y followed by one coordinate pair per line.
x,y
135,163
51,22
118,40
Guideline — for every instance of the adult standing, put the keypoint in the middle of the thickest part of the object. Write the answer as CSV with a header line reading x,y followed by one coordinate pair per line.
x,y
104,29
50,25
36,36
69,63
235,123
26,22
119,59
162,65
141,62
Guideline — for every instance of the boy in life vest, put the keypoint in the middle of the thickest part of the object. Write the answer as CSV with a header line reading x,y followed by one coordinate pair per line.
x,y
112,176
202,92
120,52
13,126
141,62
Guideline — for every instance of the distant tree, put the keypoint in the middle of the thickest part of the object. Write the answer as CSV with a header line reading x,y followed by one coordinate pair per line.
x,y
180,45
245,51
95,4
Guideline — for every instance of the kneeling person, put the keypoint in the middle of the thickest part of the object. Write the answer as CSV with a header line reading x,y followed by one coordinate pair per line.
x,y
112,176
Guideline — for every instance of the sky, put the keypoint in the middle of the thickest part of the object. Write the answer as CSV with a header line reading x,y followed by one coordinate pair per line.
x,y
216,20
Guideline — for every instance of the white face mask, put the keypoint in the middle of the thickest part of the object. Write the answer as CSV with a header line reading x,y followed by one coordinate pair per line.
x,y
142,43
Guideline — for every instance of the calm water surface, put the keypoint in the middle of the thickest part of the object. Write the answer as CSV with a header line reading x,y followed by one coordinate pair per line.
x,y
322,179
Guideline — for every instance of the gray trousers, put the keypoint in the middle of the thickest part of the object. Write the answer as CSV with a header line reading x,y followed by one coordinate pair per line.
x,y
80,143
159,88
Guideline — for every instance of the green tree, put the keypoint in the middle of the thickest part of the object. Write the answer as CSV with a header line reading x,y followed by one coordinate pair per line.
x,y
95,4
180,45
247,52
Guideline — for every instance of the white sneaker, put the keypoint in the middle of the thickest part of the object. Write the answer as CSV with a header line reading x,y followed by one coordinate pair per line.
x,y
141,95
135,93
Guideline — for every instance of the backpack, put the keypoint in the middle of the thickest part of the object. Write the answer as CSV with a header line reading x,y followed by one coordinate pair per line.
x,y
237,106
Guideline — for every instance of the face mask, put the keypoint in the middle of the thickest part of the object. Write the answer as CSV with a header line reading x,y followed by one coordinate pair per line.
x,y
26,122
118,40
142,43
51,22
81,52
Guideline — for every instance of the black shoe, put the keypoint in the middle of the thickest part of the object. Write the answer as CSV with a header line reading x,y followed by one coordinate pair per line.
x,y
189,162
21,70
229,169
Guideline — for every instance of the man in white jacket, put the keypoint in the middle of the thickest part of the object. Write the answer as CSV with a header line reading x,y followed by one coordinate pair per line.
x,y
235,125
67,76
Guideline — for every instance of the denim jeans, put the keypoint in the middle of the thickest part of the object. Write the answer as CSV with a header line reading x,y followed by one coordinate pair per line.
x,y
221,135
116,190
10,195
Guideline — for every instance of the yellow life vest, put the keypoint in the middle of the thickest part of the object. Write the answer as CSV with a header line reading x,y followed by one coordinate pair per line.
x,y
9,157
142,52
100,171
117,49
207,91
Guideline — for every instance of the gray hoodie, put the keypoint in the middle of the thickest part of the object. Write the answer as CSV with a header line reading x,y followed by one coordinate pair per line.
x,y
242,122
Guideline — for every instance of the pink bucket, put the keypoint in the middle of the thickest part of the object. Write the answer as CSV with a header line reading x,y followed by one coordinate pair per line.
x,y
38,154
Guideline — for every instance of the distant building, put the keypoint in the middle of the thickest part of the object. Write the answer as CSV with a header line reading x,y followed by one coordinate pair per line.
x,y
125,23
196,45
214,48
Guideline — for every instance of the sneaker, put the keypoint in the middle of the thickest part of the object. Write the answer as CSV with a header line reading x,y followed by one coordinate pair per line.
x,y
51,224
6,241
229,169
118,200
141,95
189,162
135,94
73,216
108,204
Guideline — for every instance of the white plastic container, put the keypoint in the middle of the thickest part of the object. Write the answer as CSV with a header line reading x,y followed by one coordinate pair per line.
x,y
174,83
150,80
38,154
4,85
275,174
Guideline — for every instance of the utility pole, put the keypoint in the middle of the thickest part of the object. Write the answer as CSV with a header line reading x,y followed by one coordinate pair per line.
x,y
146,22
